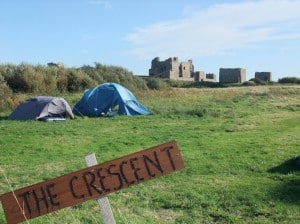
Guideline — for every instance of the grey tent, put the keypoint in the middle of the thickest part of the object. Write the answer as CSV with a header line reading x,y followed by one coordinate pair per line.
x,y
42,108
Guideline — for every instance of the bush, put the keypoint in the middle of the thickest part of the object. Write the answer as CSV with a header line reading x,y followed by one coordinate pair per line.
x,y
48,79
62,80
156,83
292,80
202,85
25,78
30,79
78,80
248,83
103,73
258,81
6,97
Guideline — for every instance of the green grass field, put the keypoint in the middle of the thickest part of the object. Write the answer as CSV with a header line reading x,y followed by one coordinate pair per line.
x,y
238,146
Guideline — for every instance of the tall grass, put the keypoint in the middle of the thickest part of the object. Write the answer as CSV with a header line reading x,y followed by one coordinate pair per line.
x,y
238,146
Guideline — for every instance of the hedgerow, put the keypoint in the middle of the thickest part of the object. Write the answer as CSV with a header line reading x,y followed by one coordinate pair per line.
x,y
291,80
53,80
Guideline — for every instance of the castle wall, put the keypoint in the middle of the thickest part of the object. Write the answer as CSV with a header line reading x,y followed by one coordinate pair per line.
x,y
265,76
200,76
172,69
232,75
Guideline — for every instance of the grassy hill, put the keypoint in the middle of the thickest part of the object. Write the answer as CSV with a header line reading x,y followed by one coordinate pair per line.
x,y
238,146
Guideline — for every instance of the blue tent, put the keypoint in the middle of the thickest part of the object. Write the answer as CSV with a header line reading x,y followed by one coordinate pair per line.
x,y
104,99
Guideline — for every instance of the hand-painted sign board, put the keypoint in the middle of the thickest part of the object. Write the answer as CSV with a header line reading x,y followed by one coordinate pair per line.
x,y
90,183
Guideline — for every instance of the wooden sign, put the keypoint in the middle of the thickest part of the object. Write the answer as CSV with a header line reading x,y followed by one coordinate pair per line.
x,y
90,183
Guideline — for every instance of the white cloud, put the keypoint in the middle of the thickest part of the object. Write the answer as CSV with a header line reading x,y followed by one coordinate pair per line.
x,y
218,29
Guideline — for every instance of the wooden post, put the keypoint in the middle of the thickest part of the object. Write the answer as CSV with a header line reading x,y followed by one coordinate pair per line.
x,y
103,202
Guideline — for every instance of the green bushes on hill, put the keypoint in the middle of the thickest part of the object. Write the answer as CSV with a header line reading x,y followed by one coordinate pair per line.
x,y
157,84
27,78
52,80
103,73
6,97
292,80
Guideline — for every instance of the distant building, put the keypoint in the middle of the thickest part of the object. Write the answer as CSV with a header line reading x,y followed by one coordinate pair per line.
x,y
232,75
174,69
264,76
202,77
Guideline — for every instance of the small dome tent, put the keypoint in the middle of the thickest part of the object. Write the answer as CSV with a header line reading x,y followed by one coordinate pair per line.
x,y
42,108
105,98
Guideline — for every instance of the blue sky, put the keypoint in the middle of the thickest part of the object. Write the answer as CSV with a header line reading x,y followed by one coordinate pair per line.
x,y
258,35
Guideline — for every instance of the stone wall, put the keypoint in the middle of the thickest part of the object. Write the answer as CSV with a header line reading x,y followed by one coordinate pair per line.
x,y
200,76
172,69
232,75
264,76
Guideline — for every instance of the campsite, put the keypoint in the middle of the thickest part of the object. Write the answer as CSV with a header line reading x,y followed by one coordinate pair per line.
x,y
237,144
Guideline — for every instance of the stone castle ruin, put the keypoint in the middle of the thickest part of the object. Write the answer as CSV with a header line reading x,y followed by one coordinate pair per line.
x,y
264,76
232,75
174,69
